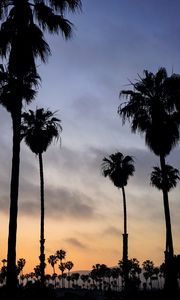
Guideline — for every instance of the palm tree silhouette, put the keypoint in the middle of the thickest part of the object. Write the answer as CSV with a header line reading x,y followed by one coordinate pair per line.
x,y
20,265
39,128
152,109
69,266
4,262
11,90
61,254
118,168
52,260
22,24
172,175
62,268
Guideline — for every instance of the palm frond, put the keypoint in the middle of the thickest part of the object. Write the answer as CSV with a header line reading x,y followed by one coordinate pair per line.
x,y
52,22
63,6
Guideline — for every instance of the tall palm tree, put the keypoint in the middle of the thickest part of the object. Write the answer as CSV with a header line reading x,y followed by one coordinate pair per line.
x,y
39,128
11,91
118,168
156,180
22,24
152,109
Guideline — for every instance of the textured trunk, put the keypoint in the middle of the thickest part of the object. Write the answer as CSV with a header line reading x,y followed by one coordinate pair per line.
x,y
125,241
170,274
14,188
169,241
42,240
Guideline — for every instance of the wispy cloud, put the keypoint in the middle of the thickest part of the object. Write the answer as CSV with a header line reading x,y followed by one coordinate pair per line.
x,y
59,203
76,243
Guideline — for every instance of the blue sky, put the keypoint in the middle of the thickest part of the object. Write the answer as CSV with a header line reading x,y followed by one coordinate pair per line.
x,y
113,41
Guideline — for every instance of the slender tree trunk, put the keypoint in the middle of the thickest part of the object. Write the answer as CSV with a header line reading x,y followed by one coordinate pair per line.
x,y
14,188
42,240
125,241
62,280
170,274
169,240
68,279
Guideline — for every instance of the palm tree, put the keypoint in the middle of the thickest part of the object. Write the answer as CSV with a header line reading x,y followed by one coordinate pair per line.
x,y
52,260
22,24
148,267
20,265
39,128
172,175
10,94
69,266
62,268
61,254
118,168
4,262
152,109
37,272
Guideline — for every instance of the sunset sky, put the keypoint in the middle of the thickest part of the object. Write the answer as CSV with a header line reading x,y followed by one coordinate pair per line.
x,y
113,42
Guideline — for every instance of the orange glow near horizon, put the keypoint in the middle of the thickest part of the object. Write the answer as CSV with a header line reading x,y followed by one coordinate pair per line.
x,y
105,249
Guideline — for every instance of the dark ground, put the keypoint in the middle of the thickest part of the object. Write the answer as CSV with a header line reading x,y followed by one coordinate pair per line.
x,y
51,294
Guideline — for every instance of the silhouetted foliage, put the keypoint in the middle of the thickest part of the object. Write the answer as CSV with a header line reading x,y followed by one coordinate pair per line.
x,y
172,175
21,42
38,129
52,260
118,168
152,108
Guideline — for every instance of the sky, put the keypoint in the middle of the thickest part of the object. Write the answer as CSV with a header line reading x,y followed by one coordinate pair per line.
x,y
113,42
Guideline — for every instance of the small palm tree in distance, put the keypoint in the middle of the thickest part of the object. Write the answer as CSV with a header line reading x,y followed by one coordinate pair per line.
x,y
61,254
69,266
52,260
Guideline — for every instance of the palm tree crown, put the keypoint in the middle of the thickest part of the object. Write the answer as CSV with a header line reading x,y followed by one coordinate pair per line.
x,y
172,175
152,109
118,168
61,254
10,89
39,128
23,23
